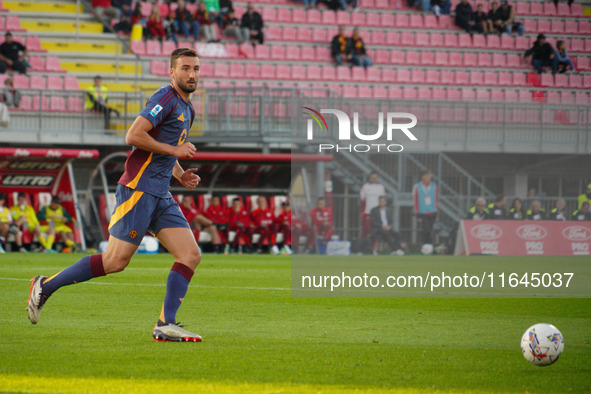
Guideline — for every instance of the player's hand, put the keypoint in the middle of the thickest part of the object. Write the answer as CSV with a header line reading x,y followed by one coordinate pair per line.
x,y
185,151
189,179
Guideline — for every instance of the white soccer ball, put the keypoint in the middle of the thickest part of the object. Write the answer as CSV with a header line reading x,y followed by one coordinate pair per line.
x,y
542,344
427,249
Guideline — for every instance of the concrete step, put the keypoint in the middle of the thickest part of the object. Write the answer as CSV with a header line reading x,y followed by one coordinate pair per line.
x,y
41,6
36,26
80,47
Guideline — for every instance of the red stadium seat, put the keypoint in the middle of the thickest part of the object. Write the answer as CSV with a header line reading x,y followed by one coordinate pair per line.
x,y
221,70
153,48
587,81
571,26
507,42
13,23
446,77
522,8
284,15
343,73
329,17
409,92
441,58
464,40
504,78
407,38
536,8
394,92
36,62
444,22
493,41
34,44
251,71
314,17
261,52
157,67
168,47
427,58
396,56
382,56
379,91
499,60
57,103
424,92
377,37
303,34
319,34
455,59
392,38
298,73
292,52
478,41
430,22
490,78
416,21
382,4
550,9
386,19
436,40
273,32
401,20
343,18
358,74
547,80
574,81
584,27
349,91
54,82
269,14
583,63
484,60
313,72
417,76
432,76
521,43
236,70
412,57
282,71
543,25
469,59
373,74
519,79
476,77
277,52
421,39
298,15
138,47
359,19
288,33
576,9
556,26
461,77
36,82
450,40
388,75
308,53
323,54
20,81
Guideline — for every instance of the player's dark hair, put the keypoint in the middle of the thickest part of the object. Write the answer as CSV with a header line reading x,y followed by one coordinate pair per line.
x,y
499,198
179,52
22,194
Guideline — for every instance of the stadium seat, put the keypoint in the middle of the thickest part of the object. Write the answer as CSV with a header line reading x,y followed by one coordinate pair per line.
x,y
478,41
556,26
323,54
493,41
57,104
277,52
74,104
269,14
587,44
530,25
379,91
307,53
250,71
382,56
298,73
402,75
421,39
373,74
583,63
388,75
342,73
36,62
138,47
282,71
507,42
153,48
328,18
461,77
484,60
430,22
499,60
392,38
574,81
543,25
382,3
464,40
571,26
358,74
349,91
446,77
409,92
441,58
314,17
319,34
303,34
424,92
412,57
396,56
288,33
284,15
37,82
427,58
521,43
407,38
71,83
13,23
157,67
490,78
476,77
416,21
313,72
432,76
513,60
168,47
547,80
436,40
455,59
417,76
587,81
343,18
584,27
469,59
444,22
273,32
359,19
377,37
394,92
522,8
450,40
298,15
54,82
504,78
221,70
386,19
576,9
34,44
20,81
401,20
549,9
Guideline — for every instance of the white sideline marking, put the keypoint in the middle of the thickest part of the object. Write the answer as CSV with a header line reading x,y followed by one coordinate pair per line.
x,y
161,285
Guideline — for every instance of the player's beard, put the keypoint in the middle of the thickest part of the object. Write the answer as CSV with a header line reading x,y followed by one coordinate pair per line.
x,y
184,87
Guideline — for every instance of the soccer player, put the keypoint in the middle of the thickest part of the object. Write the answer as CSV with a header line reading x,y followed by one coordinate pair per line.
x,y
263,220
199,222
283,221
219,217
323,226
240,227
7,226
25,218
144,202
57,218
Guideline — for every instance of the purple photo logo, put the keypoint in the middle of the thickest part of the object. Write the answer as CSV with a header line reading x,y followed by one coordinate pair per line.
x,y
348,132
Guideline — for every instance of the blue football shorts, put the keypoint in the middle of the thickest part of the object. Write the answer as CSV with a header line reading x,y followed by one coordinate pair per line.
x,y
138,212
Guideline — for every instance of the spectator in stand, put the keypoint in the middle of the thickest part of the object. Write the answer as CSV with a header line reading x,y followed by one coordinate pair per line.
x,y
556,2
263,220
4,115
478,210
253,21
480,20
584,197
218,214
25,218
199,222
536,212
232,28
359,55
203,17
225,8
136,15
465,16
171,28
321,217
493,18
12,54
124,25
507,16
154,26
97,98
7,226
564,62
340,47
370,195
309,3
187,25
425,196
240,228
441,7
558,213
496,210
283,223
542,55
582,214
124,7
380,220
517,210
104,11
54,221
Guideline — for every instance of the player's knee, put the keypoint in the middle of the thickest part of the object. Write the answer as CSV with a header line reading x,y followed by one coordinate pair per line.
x,y
112,264
193,258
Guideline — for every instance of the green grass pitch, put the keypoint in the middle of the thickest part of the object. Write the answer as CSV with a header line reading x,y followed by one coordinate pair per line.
x,y
96,336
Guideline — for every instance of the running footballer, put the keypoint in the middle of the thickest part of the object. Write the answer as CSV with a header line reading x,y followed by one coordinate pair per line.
x,y
144,202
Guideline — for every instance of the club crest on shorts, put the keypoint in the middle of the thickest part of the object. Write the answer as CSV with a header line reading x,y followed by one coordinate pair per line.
x,y
132,234
157,108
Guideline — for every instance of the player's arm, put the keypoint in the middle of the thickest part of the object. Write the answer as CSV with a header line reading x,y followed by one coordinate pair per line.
x,y
138,136
187,178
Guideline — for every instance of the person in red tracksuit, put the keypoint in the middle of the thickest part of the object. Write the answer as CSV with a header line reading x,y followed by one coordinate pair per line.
x,y
199,222
219,215
323,226
240,224
283,223
264,224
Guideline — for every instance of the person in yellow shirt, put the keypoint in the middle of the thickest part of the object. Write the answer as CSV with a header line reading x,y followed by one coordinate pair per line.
x,y
7,226
56,217
25,218
584,197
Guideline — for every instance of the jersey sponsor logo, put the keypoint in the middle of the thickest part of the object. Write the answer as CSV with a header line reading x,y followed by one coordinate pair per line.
x,y
486,232
156,110
531,232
